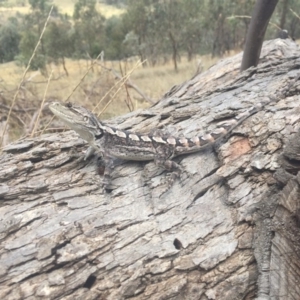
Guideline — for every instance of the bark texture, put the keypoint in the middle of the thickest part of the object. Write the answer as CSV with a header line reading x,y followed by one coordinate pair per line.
x,y
228,229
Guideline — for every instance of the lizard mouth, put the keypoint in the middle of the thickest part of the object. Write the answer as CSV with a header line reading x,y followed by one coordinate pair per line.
x,y
60,111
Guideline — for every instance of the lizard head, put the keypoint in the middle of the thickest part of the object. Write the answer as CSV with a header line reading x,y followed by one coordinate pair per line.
x,y
79,119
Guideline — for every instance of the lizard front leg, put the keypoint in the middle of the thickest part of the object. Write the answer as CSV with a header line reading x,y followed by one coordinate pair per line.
x,y
109,163
89,152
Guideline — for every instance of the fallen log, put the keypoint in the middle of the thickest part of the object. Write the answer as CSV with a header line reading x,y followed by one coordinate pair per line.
x,y
228,229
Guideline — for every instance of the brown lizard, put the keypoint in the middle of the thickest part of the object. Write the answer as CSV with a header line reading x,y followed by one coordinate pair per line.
x,y
113,143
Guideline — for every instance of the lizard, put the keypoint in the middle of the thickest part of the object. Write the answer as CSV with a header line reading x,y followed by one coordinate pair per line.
x,y
112,143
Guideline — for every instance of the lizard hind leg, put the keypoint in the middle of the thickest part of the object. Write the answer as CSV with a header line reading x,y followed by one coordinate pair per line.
x,y
163,158
171,166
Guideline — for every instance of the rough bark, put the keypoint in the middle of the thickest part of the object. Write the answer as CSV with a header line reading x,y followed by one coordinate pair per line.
x,y
228,229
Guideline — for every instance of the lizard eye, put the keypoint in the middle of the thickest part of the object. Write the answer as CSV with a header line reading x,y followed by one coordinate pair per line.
x,y
86,118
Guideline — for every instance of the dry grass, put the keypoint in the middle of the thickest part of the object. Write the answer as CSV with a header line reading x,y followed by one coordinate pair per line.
x,y
153,81
65,6
156,81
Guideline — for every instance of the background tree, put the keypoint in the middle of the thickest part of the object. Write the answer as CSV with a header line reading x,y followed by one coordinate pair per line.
x,y
32,28
118,3
114,38
9,40
28,41
192,31
161,28
89,31
136,22
58,43
286,19
154,30
170,22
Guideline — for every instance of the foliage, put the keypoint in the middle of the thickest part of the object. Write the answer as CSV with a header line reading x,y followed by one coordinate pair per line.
x,y
155,30
163,28
58,43
27,44
116,2
33,24
89,29
9,40
114,38
285,18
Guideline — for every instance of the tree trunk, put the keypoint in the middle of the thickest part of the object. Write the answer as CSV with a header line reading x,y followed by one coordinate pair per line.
x,y
285,5
261,15
64,66
174,50
228,229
